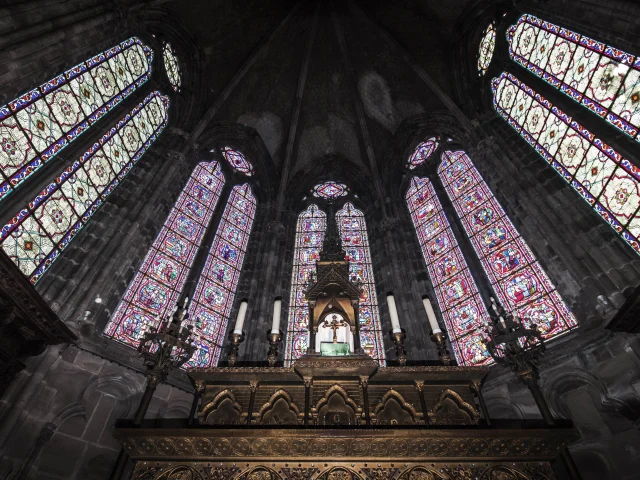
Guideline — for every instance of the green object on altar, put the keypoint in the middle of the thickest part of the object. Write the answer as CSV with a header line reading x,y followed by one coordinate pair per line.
x,y
329,349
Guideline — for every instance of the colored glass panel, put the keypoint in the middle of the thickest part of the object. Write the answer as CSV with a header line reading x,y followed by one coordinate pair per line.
x,y
422,153
37,234
216,288
237,160
519,281
39,124
155,289
604,179
355,241
309,237
462,308
171,67
600,77
486,49
330,190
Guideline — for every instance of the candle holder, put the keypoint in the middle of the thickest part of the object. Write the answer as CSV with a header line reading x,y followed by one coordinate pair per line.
x,y
236,339
274,339
439,339
398,339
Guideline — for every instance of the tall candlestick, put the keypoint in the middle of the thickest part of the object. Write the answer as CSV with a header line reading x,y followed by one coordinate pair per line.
x,y
431,315
393,313
242,312
277,308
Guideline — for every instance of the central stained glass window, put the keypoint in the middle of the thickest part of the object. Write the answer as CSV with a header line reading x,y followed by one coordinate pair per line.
x,y
519,281
36,126
486,49
600,77
422,153
154,291
330,190
456,291
216,288
237,160
38,233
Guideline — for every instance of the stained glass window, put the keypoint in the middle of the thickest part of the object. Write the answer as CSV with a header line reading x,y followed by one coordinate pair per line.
x,y
37,125
171,66
606,180
422,152
487,46
156,287
309,237
353,232
517,278
602,78
216,288
330,190
34,238
237,160
457,294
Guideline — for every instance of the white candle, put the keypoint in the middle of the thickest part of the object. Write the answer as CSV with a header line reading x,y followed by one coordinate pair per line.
x,y
393,312
277,307
242,312
186,302
502,324
431,315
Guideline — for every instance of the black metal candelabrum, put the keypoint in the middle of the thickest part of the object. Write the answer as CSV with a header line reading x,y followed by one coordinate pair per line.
x,y
163,349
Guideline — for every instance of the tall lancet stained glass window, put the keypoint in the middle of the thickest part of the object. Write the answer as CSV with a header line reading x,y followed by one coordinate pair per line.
x,y
605,179
355,241
309,237
602,78
171,66
457,294
216,288
517,278
156,287
37,125
37,234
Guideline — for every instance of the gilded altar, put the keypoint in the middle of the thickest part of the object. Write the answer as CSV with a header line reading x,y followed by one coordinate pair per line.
x,y
343,418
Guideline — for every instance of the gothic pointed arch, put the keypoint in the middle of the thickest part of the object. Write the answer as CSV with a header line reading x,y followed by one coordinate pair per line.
x,y
451,409
336,407
280,409
223,409
393,409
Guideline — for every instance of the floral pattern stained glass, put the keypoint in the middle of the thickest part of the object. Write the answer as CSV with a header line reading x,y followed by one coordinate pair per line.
x,y
155,289
309,237
34,238
216,287
606,180
457,294
422,153
39,124
237,160
600,77
353,232
330,190
171,67
487,46
517,278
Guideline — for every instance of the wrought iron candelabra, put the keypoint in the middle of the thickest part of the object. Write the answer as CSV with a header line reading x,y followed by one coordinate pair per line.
x,y
274,340
163,349
439,338
398,339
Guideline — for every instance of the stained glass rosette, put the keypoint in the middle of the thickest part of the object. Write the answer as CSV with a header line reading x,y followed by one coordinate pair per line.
x,y
422,152
37,234
36,126
604,179
216,288
309,237
355,241
456,292
516,276
171,66
330,190
486,48
600,77
156,287
237,161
